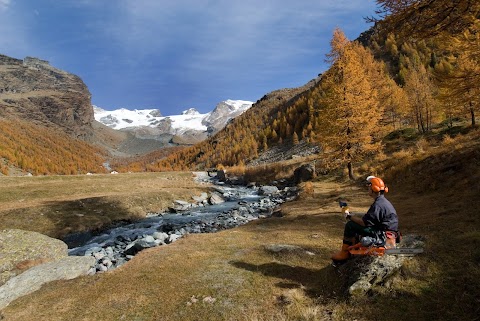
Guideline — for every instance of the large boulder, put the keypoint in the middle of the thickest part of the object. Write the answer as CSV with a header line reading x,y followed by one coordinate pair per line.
x,y
30,259
304,173
221,175
31,280
366,273
369,272
20,250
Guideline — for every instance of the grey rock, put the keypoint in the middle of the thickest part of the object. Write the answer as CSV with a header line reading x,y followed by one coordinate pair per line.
x,y
149,239
102,268
216,199
160,236
99,255
17,246
143,244
172,238
283,248
201,198
130,249
31,280
365,273
221,176
373,271
268,190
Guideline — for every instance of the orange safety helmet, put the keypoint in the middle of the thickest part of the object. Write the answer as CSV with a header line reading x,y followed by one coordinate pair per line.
x,y
377,184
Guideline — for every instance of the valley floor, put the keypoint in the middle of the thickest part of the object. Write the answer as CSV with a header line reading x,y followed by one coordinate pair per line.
x,y
232,275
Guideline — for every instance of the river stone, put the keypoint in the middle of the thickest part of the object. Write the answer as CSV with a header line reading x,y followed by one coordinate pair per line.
x,y
201,198
149,239
25,248
31,280
216,199
173,237
268,190
160,236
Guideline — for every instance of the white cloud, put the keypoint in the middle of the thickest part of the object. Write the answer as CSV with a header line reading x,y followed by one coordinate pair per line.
x,y
4,4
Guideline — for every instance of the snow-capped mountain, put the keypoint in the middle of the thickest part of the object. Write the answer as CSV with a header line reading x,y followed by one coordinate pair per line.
x,y
190,125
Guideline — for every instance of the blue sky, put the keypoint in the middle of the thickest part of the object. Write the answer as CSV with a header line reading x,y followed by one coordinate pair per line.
x,y
176,54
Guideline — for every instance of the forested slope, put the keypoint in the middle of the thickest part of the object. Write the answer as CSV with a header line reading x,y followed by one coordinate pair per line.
x,y
40,150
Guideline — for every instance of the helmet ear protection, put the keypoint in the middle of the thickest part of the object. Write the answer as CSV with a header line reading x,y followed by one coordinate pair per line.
x,y
377,184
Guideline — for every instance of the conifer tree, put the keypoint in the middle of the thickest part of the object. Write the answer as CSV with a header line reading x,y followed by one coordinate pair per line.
x,y
419,89
295,138
459,88
351,112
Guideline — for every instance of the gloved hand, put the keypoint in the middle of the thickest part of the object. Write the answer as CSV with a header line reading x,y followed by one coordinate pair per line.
x,y
346,212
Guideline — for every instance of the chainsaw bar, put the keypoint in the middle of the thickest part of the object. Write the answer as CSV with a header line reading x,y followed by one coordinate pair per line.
x,y
404,251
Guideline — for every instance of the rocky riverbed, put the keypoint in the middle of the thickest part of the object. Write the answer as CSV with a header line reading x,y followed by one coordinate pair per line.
x,y
226,206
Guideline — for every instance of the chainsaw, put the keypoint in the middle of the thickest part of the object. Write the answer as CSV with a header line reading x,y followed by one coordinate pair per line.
x,y
359,249
366,247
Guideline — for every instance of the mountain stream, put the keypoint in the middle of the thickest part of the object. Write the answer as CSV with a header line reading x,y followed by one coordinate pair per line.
x,y
238,205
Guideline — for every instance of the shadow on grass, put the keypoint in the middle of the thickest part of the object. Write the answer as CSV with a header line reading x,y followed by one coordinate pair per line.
x,y
62,218
89,215
324,283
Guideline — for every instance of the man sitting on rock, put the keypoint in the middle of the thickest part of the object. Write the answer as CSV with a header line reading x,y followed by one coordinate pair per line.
x,y
380,217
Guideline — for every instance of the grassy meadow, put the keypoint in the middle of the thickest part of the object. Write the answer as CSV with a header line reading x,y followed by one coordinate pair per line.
x,y
59,205
233,275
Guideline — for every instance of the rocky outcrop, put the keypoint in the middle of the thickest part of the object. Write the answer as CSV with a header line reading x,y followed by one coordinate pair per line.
x,y
223,113
33,90
285,152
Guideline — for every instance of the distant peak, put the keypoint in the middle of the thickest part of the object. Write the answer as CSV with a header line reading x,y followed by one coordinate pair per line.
x,y
190,111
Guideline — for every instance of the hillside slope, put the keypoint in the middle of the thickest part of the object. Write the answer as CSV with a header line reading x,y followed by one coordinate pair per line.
x,y
29,148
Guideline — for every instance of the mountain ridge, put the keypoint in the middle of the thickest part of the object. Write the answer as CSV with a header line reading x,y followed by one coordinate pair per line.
x,y
124,118
147,130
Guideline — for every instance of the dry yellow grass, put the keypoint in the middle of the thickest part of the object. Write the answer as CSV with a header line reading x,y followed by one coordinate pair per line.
x,y
59,205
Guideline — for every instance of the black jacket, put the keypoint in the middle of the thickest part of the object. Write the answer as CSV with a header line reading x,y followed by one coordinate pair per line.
x,y
381,215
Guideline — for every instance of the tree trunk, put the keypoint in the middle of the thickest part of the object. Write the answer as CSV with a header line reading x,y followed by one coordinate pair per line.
x,y
350,171
472,114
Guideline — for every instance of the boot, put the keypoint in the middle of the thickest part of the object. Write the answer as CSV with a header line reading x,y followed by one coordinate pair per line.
x,y
343,254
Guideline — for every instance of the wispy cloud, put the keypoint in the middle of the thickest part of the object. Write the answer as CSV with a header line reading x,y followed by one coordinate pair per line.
x,y
4,4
